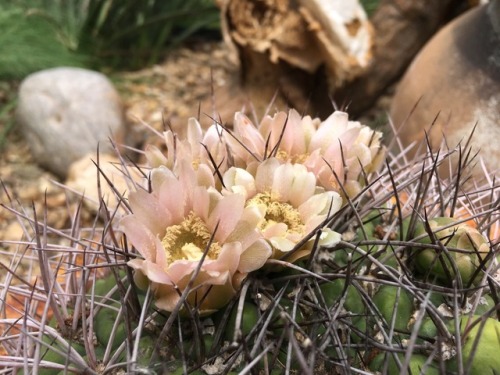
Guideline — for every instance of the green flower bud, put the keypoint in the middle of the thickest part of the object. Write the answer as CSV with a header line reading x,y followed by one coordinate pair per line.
x,y
473,244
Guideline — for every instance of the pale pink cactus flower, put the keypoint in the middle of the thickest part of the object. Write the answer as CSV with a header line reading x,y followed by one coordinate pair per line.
x,y
336,150
171,228
290,203
199,146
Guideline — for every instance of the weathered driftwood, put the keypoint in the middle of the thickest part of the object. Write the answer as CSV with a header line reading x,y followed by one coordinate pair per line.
x,y
301,49
310,52
402,27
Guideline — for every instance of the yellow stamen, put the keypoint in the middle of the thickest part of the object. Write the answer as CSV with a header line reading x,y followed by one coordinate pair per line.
x,y
294,159
278,212
188,240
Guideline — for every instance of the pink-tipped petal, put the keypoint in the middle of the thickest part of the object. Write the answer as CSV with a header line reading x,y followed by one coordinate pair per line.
x,y
141,237
201,202
282,180
255,256
266,174
282,244
272,128
275,230
229,258
147,211
225,215
294,141
194,132
155,157
303,185
172,198
244,233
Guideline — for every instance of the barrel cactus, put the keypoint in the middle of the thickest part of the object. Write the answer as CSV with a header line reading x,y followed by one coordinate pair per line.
x,y
268,249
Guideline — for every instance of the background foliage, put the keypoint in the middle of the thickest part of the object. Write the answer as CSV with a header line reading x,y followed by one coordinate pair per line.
x,y
39,34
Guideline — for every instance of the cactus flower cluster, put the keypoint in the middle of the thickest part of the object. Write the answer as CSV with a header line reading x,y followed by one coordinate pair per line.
x,y
220,203
270,248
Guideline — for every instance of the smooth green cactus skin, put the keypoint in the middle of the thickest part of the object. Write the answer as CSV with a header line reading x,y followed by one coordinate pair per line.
x,y
428,329
416,365
53,356
487,305
459,236
103,326
353,303
332,292
386,299
486,359
249,319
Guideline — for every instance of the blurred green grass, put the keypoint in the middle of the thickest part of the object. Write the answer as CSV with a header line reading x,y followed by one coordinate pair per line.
x,y
370,5
100,34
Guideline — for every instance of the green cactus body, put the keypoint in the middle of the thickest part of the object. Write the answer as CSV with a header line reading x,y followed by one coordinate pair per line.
x,y
103,326
332,292
416,365
360,323
351,355
249,319
386,299
353,303
146,348
487,305
279,322
437,299
49,355
460,236
486,358
428,329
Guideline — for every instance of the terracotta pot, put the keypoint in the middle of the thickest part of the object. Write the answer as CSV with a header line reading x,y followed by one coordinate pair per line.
x,y
455,80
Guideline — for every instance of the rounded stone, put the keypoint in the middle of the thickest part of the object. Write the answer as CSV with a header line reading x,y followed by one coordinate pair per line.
x,y
455,83
65,113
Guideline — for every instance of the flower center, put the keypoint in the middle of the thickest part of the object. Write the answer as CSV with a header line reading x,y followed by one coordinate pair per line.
x,y
188,240
294,159
278,212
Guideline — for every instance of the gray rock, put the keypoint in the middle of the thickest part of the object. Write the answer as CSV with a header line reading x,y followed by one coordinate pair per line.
x,y
65,112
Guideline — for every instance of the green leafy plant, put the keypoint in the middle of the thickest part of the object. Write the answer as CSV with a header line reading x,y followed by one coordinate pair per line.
x,y
135,33
29,42
370,6
38,34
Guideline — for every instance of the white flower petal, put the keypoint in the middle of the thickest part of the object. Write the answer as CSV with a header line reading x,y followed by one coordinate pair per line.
x,y
329,238
194,131
282,244
255,256
225,215
303,185
239,181
320,204
282,180
266,174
